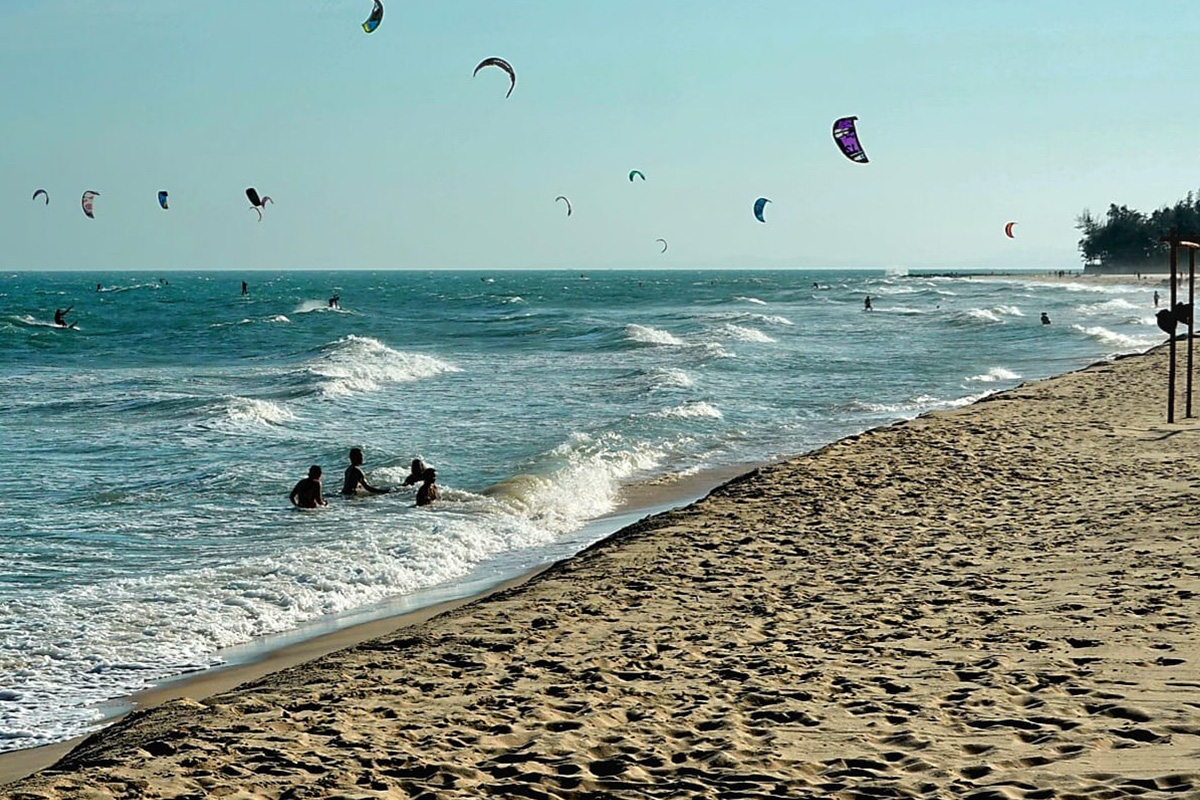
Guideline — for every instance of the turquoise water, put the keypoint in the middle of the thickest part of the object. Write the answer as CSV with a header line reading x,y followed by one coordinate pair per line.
x,y
146,525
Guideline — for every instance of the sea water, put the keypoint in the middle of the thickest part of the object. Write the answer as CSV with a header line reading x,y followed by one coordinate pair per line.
x,y
150,450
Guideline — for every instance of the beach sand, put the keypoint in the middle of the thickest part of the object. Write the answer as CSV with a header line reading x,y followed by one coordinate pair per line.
x,y
1000,601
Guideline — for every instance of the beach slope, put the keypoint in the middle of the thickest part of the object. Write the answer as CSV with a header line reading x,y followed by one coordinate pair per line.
x,y
995,602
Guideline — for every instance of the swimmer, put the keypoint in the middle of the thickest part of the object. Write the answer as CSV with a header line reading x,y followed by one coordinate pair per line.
x,y
417,474
355,477
429,489
307,492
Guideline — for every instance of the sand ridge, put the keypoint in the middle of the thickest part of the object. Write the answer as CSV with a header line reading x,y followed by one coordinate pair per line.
x,y
995,602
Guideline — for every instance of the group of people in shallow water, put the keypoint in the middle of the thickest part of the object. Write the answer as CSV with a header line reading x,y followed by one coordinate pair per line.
x,y
309,493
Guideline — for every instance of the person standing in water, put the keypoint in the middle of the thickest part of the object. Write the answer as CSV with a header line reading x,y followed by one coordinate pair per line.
x,y
417,472
867,304
307,493
429,491
355,478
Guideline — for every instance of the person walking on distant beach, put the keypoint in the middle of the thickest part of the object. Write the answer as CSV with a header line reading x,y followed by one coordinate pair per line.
x,y
867,304
307,492
416,474
355,477
429,489
1045,318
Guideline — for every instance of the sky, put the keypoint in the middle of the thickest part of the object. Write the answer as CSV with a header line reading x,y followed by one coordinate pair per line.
x,y
382,151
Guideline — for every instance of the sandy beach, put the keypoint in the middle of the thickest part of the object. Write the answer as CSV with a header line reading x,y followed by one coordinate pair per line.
x,y
995,602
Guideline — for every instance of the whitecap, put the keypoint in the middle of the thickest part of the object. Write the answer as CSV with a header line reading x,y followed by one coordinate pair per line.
x,y
647,335
995,374
754,300
700,410
362,364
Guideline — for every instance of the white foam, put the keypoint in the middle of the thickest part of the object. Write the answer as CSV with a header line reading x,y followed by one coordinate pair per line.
x,y
743,334
263,412
699,410
669,377
995,374
1119,340
647,335
754,300
1113,306
362,364
916,405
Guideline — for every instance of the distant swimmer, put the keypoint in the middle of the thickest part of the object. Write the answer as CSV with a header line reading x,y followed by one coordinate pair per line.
x,y
867,304
355,478
417,473
1045,318
335,301
429,489
98,289
307,493
60,317
245,289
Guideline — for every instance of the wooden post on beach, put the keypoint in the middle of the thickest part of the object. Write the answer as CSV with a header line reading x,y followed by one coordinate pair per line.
x,y
1173,240
1191,315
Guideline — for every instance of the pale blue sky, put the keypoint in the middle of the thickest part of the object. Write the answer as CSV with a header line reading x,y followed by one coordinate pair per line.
x,y
382,152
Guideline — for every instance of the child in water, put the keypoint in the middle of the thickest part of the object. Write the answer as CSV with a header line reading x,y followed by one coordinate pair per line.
x,y
307,492
429,490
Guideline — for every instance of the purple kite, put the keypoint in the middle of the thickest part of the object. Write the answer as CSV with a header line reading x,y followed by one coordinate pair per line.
x,y
846,136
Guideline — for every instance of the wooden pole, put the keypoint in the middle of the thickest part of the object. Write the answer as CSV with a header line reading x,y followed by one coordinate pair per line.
x,y
1171,367
1190,323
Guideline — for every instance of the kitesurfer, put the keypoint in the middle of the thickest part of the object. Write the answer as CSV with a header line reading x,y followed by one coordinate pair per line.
x,y
98,289
867,304
355,477
417,474
60,316
335,301
245,289
1045,318
429,489
307,492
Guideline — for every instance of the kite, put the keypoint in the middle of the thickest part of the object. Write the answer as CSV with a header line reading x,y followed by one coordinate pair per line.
x,y
846,136
256,203
664,243
759,205
637,172
1008,230
162,200
565,200
87,202
376,17
43,193
499,63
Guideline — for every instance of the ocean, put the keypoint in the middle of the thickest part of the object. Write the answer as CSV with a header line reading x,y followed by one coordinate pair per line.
x,y
146,527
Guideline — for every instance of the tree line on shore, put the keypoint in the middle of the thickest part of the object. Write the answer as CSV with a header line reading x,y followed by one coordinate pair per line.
x,y
1127,236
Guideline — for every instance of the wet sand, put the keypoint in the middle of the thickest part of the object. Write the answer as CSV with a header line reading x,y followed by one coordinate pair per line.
x,y
1000,601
